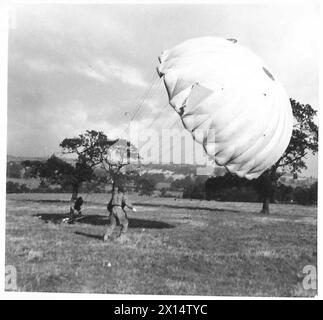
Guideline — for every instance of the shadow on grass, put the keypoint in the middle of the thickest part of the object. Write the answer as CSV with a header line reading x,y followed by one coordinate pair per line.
x,y
44,200
103,220
51,217
89,235
142,204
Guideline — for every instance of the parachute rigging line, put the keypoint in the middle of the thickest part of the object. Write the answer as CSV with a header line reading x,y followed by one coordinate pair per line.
x,y
156,79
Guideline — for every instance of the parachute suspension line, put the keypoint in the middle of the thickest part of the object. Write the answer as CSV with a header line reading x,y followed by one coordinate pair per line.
x,y
156,78
145,97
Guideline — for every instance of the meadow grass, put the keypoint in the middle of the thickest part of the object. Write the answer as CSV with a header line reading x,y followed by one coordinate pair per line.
x,y
173,247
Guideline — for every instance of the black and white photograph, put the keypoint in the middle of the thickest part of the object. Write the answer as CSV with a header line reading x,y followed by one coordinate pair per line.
x,y
162,149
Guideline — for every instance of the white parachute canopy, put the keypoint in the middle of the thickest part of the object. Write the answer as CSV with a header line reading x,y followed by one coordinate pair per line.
x,y
230,102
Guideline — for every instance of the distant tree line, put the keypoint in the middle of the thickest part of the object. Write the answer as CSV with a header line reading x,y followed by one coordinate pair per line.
x,y
232,188
15,187
222,188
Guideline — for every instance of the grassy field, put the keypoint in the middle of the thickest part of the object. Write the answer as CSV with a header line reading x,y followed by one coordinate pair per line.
x,y
172,247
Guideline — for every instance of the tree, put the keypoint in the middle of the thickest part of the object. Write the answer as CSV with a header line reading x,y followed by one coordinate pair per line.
x,y
90,148
95,150
146,186
57,171
230,187
14,187
182,183
196,189
118,162
163,192
313,193
304,140
14,169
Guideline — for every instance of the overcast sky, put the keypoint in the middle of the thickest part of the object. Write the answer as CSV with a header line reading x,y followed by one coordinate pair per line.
x,y
78,67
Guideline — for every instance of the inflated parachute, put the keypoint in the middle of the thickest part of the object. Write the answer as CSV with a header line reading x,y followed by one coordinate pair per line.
x,y
230,102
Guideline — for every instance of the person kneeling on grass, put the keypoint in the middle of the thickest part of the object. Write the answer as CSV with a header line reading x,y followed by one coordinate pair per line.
x,y
74,209
116,207
78,205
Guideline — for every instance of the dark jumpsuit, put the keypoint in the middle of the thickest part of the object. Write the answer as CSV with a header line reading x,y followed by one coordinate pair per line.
x,y
75,207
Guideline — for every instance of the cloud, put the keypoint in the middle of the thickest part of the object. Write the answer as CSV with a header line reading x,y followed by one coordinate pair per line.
x,y
113,71
91,73
43,66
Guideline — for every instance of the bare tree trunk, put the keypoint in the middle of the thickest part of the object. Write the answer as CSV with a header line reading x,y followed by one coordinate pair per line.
x,y
265,205
73,198
269,181
109,205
